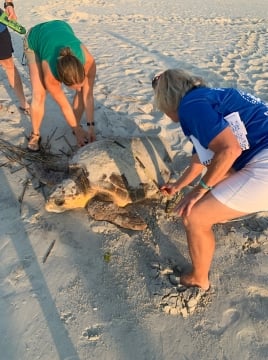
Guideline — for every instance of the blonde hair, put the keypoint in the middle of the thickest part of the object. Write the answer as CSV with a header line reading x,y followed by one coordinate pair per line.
x,y
70,70
171,86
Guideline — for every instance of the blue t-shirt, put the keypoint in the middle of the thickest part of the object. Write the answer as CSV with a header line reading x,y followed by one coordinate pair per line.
x,y
202,111
2,26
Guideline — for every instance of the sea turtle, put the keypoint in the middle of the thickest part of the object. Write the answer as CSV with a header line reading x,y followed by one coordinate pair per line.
x,y
115,173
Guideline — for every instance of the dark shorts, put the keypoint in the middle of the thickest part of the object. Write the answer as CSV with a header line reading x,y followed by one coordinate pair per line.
x,y
6,48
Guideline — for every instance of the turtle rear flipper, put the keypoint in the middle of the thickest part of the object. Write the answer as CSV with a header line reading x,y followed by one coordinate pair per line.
x,y
122,217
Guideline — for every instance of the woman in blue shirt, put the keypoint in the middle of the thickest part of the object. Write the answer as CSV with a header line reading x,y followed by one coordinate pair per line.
x,y
7,62
229,132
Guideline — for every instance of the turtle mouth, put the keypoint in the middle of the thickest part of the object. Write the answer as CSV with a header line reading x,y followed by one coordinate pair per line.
x,y
59,202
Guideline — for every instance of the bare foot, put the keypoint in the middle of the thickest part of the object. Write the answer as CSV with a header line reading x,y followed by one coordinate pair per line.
x,y
190,280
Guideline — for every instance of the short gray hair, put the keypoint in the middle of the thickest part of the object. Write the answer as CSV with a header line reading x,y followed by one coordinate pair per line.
x,y
171,86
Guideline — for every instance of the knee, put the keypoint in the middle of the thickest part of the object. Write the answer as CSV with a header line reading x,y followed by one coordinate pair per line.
x,y
189,221
196,220
8,64
38,99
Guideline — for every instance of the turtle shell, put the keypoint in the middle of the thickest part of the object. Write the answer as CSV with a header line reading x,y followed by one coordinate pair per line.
x,y
121,170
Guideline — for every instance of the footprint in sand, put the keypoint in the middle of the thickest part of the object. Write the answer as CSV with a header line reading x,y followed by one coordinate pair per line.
x,y
67,317
173,298
184,303
229,317
18,272
93,333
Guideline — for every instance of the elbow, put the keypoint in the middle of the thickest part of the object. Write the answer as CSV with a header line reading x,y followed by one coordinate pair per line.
x,y
233,152
237,151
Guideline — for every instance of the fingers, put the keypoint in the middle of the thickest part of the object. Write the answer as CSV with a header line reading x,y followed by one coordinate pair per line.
x,y
164,192
85,141
179,210
167,189
81,141
82,137
183,207
91,134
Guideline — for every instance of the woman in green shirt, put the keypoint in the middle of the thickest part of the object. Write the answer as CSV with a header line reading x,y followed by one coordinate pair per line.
x,y
55,55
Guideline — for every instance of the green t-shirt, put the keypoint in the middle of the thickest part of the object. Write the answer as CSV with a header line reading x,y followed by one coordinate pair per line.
x,y
48,38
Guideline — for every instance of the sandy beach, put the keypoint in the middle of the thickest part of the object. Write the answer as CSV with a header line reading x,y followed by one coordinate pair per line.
x,y
73,288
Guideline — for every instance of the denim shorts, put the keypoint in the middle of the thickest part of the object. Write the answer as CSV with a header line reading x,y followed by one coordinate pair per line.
x,y
30,55
247,189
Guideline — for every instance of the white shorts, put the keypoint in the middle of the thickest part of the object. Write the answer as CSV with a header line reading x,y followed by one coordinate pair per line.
x,y
247,189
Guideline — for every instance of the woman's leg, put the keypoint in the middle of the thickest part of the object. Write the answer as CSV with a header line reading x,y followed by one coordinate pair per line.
x,y
37,104
200,237
38,96
14,80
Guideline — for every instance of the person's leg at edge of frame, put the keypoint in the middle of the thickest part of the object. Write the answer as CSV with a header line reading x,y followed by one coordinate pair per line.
x,y
13,76
15,82
200,237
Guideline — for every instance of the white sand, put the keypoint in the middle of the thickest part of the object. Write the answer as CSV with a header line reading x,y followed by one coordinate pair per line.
x,y
76,305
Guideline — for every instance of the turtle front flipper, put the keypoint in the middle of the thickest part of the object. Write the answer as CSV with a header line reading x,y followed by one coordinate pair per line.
x,y
110,212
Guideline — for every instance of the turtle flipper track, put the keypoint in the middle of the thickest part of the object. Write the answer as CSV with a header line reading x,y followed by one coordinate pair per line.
x,y
122,217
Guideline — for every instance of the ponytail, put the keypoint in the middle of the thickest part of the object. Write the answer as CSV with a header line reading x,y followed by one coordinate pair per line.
x,y
70,70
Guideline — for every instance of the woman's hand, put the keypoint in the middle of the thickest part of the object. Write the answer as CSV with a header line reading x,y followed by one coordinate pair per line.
x,y
11,13
184,207
82,136
168,189
91,133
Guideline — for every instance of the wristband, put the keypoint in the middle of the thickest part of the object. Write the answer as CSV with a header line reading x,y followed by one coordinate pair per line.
x,y
91,124
204,185
6,4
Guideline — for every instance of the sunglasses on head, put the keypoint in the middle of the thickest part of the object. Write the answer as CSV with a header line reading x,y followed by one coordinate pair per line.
x,y
155,80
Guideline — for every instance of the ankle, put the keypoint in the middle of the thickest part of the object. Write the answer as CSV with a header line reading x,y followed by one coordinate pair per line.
x,y
34,141
194,280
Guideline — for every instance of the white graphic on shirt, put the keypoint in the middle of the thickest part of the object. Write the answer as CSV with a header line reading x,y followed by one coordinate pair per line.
x,y
250,98
253,100
237,127
205,155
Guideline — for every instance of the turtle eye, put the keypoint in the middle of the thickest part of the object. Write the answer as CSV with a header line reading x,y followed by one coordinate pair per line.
x,y
59,202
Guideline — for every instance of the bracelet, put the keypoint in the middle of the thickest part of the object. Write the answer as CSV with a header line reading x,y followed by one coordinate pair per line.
x,y
91,124
204,185
6,4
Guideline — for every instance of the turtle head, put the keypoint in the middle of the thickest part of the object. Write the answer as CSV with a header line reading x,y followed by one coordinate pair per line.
x,y
66,196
